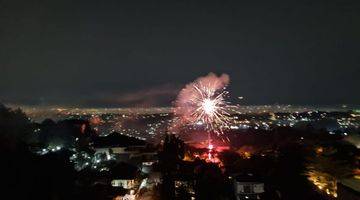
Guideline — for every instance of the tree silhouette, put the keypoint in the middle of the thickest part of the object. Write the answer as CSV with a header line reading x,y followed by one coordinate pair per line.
x,y
14,126
170,156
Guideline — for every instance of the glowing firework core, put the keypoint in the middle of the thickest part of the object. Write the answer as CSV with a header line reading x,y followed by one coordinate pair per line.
x,y
209,106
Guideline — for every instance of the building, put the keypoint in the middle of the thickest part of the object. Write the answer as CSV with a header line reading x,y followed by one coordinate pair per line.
x,y
122,147
248,186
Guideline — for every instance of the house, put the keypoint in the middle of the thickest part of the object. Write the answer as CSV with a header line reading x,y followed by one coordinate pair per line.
x,y
248,186
124,175
124,183
116,145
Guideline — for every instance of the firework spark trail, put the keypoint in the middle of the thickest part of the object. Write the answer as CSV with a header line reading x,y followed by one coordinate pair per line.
x,y
203,101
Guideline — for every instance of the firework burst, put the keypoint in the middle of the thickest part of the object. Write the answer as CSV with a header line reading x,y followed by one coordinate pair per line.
x,y
203,102
210,108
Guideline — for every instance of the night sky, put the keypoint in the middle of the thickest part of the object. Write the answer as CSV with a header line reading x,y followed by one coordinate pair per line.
x,y
140,53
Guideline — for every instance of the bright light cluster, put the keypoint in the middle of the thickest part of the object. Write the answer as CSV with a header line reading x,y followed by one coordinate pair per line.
x,y
323,182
